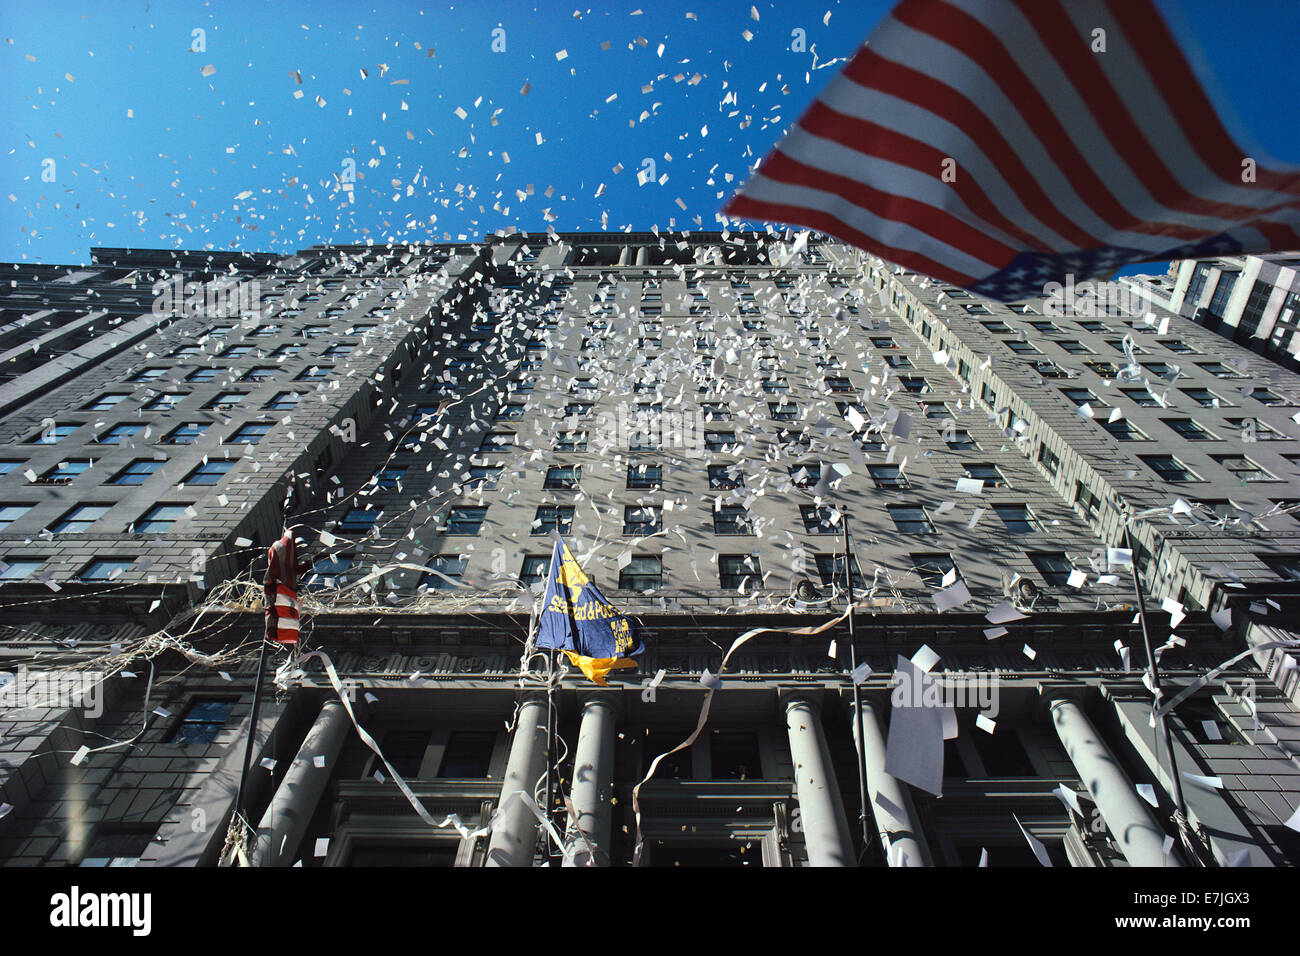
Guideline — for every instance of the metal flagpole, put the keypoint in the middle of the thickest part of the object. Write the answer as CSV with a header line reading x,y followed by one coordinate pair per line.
x,y
1180,806
859,743
551,723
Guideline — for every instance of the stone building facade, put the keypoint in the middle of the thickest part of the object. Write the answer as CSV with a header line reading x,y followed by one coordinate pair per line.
x,y
698,416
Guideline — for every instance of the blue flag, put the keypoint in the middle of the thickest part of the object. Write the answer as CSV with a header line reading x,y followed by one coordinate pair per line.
x,y
577,619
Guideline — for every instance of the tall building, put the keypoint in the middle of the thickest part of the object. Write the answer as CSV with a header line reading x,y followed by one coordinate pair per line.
x,y
1252,300
699,416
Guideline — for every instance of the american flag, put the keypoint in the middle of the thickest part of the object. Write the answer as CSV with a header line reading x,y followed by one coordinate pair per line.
x,y
280,591
999,145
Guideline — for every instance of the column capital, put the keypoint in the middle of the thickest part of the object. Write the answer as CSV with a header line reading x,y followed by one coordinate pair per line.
x,y
788,697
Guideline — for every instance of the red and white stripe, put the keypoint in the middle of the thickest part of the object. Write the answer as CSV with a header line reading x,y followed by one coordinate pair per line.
x,y
1057,149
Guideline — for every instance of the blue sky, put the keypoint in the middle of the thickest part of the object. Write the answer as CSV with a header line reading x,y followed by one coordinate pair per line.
x,y
150,152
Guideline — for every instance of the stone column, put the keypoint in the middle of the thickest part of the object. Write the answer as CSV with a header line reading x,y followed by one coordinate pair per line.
x,y
285,822
514,835
593,785
642,255
1129,817
890,799
825,830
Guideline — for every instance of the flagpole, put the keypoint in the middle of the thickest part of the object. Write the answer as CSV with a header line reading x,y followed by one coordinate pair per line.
x,y
1180,816
859,743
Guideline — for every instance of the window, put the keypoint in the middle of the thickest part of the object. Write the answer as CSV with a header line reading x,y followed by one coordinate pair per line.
x,y
136,472
1141,397
329,571
1219,370
341,348
9,466
839,384
19,569
933,568
893,360
1196,285
1074,348
1104,369
105,569
1054,566
250,434
468,755
578,409
642,573
725,477
358,520
1124,430
562,477
1243,469
159,519
737,570
283,401
1086,499
315,373
1169,468
1268,397
1254,309
483,476
888,477
1205,398
117,847
988,473
236,351
732,519
783,413
465,520
1285,566
64,472
961,441
1018,518
775,386
389,479
185,434
1081,396
208,473
227,400
641,520
1020,348
830,568
911,519
819,519
553,518
258,374
497,441
11,513
1252,429
717,412
988,396
535,569
79,519
645,476
148,375
105,402
1188,429
52,436
1175,345
571,441
1206,723
719,441
806,476
450,565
